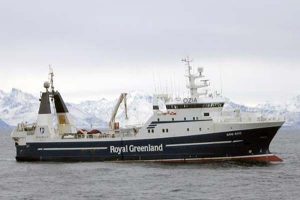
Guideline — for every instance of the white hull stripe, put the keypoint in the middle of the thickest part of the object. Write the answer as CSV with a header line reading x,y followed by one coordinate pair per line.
x,y
168,145
203,143
213,158
74,148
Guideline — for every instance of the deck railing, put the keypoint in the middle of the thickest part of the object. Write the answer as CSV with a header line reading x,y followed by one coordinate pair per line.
x,y
236,116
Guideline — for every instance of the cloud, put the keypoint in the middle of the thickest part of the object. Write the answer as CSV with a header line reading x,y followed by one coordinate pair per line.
x,y
110,41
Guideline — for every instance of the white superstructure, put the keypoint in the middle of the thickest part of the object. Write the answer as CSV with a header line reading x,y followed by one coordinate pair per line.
x,y
192,128
199,113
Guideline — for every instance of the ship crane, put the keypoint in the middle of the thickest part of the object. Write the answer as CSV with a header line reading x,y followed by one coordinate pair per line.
x,y
112,124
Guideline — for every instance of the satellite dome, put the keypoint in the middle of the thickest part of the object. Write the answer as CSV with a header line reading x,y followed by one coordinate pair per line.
x,y
47,85
200,70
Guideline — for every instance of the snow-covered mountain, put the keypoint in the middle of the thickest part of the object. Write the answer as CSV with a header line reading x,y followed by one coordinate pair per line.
x,y
139,109
4,126
17,106
290,110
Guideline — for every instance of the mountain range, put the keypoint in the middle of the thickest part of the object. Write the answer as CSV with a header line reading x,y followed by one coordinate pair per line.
x,y
17,106
4,126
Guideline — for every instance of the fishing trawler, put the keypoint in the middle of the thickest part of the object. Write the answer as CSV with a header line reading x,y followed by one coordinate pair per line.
x,y
190,129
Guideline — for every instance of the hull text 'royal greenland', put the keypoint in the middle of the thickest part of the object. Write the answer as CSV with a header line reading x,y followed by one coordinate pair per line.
x,y
191,129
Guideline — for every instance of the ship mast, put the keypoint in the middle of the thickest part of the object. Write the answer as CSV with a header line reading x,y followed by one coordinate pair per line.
x,y
51,75
192,86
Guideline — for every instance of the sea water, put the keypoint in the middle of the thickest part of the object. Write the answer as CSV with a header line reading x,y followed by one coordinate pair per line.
x,y
111,180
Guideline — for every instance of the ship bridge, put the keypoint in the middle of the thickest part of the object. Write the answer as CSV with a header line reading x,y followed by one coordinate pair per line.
x,y
200,97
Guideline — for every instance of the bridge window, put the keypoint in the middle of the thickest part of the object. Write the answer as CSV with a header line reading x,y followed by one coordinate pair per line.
x,y
148,130
172,119
163,130
158,119
155,108
188,129
200,129
194,118
152,131
184,119
167,130
195,105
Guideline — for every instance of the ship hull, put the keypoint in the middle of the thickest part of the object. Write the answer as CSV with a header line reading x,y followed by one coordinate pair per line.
x,y
244,145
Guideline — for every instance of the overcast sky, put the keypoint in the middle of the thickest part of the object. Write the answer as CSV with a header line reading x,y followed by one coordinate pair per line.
x,y
101,48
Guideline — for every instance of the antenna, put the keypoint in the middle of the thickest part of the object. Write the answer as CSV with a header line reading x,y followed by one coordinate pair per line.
x,y
187,62
172,86
51,74
154,83
167,87
159,85
221,80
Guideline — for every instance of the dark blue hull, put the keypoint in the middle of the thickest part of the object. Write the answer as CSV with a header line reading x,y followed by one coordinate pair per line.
x,y
235,144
